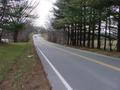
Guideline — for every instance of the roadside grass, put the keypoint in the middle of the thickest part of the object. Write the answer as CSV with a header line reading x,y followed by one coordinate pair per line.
x,y
24,65
101,51
20,68
9,53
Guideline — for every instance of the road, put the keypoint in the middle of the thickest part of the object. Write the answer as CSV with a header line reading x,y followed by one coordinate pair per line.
x,y
73,69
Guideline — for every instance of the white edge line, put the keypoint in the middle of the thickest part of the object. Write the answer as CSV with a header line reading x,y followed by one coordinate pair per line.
x,y
56,71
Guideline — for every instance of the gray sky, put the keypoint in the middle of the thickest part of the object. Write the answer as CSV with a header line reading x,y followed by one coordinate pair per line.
x,y
43,11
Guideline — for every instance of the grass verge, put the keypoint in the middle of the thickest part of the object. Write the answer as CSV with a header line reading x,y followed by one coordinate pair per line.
x,y
20,68
8,56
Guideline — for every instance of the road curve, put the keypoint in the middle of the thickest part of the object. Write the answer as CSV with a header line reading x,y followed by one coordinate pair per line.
x,y
73,69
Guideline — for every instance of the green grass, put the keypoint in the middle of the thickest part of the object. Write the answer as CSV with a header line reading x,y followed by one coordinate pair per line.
x,y
24,65
9,54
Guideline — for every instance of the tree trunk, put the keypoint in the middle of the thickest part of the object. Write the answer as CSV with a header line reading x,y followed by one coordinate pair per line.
x,y
84,33
89,31
1,36
68,34
77,27
110,44
118,36
93,36
89,37
84,23
105,41
93,28
99,32
75,34
15,36
81,34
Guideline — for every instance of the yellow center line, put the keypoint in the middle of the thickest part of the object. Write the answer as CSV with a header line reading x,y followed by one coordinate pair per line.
x,y
89,59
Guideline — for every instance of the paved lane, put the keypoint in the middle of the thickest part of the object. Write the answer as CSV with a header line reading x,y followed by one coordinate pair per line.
x,y
72,69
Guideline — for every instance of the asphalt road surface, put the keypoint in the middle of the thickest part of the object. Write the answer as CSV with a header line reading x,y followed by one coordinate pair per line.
x,y
73,69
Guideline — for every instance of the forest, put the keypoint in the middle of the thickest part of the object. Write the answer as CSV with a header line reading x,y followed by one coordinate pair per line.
x,y
89,23
14,16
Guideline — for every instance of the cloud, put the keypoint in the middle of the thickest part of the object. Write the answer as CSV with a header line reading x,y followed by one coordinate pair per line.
x,y
43,12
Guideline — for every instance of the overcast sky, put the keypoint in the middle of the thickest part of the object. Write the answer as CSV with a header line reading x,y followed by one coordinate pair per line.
x,y
43,10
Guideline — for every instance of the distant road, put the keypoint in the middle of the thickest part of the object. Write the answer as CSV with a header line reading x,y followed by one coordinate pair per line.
x,y
73,69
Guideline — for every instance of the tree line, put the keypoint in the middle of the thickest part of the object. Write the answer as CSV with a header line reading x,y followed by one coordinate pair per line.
x,y
14,15
89,22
